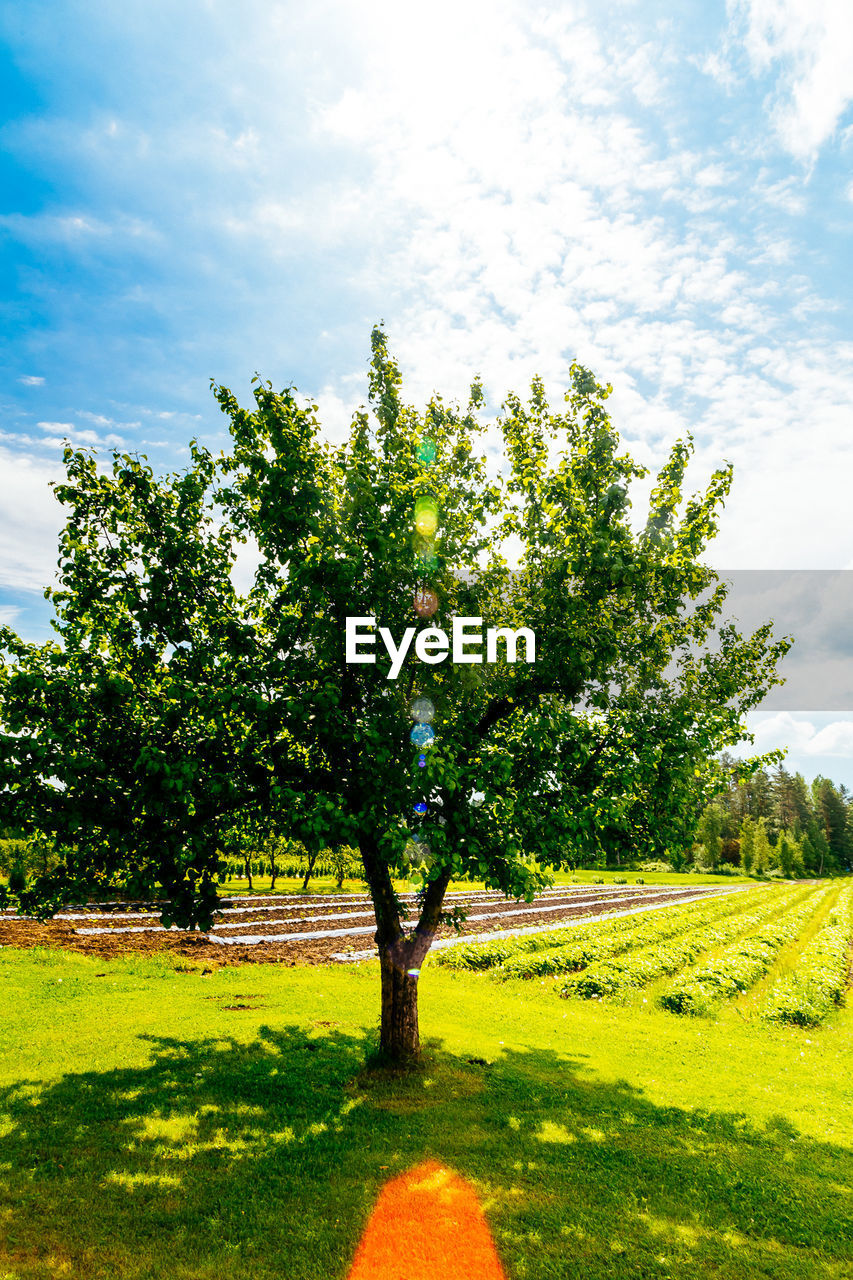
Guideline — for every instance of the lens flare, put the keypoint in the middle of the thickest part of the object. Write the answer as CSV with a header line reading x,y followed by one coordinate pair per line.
x,y
426,516
426,559
422,735
427,1222
423,711
426,602
420,807
427,450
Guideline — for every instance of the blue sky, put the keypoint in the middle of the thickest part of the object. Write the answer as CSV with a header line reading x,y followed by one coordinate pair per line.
x,y
662,191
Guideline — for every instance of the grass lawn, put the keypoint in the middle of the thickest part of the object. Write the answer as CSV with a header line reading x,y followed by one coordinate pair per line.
x,y
158,1123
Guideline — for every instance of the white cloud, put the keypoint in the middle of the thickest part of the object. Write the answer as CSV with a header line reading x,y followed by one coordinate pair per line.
x,y
30,380
782,729
809,43
30,521
335,415
80,435
807,742
73,229
248,558
523,237
834,740
786,194
511,197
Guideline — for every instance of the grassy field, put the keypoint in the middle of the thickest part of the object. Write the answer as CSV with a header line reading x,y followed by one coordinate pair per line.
x,y
326,884
165,1123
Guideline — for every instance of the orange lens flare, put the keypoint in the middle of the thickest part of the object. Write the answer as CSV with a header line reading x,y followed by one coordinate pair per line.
x,y
427,1223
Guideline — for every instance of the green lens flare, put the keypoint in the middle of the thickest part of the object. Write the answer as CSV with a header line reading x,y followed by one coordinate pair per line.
x,y
426,516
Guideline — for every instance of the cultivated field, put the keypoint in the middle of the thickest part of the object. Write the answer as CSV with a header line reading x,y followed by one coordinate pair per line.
x,y
794,940
165,1115
316,928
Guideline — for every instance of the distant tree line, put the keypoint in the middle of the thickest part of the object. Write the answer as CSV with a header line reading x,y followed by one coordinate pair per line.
x,y
776,823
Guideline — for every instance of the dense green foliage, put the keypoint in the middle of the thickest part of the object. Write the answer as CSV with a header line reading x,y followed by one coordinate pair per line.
x,y
176,718
775,823
174,709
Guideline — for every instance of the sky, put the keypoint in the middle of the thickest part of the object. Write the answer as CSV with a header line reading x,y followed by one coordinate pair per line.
x,y
661,191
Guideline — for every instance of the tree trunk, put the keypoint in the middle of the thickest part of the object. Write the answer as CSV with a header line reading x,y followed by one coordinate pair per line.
x,y
274,870
398,1037
248,865
401,954
312,858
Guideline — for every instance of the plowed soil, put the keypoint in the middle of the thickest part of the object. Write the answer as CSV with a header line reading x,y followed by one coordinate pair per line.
x,y
288,916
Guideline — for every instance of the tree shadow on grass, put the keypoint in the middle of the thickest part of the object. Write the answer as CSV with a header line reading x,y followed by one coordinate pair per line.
x,y
260,1160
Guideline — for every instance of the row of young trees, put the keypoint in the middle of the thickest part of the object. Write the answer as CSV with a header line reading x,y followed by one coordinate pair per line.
x,y
25,859
776,821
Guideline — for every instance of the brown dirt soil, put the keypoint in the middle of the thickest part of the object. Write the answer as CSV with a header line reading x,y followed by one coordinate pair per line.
x,y
16,932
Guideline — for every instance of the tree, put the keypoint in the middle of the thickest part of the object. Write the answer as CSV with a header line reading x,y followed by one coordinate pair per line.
x,y
762,852
831,812
709,834
747,844
311,858
815,849
176,709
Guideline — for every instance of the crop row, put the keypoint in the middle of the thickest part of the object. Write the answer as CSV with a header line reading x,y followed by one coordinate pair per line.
x,y
660,958
600,932
635,933
739,966
808,995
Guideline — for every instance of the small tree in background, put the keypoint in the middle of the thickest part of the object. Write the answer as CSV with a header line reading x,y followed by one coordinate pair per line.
x,y
762,851
708,835
175,710
747,845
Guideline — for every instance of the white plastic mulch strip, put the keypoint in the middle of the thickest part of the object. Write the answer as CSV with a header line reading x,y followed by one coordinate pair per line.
x,y
557,899
252,940
285,898
520,932
234,911
238,924
554,904
280,904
